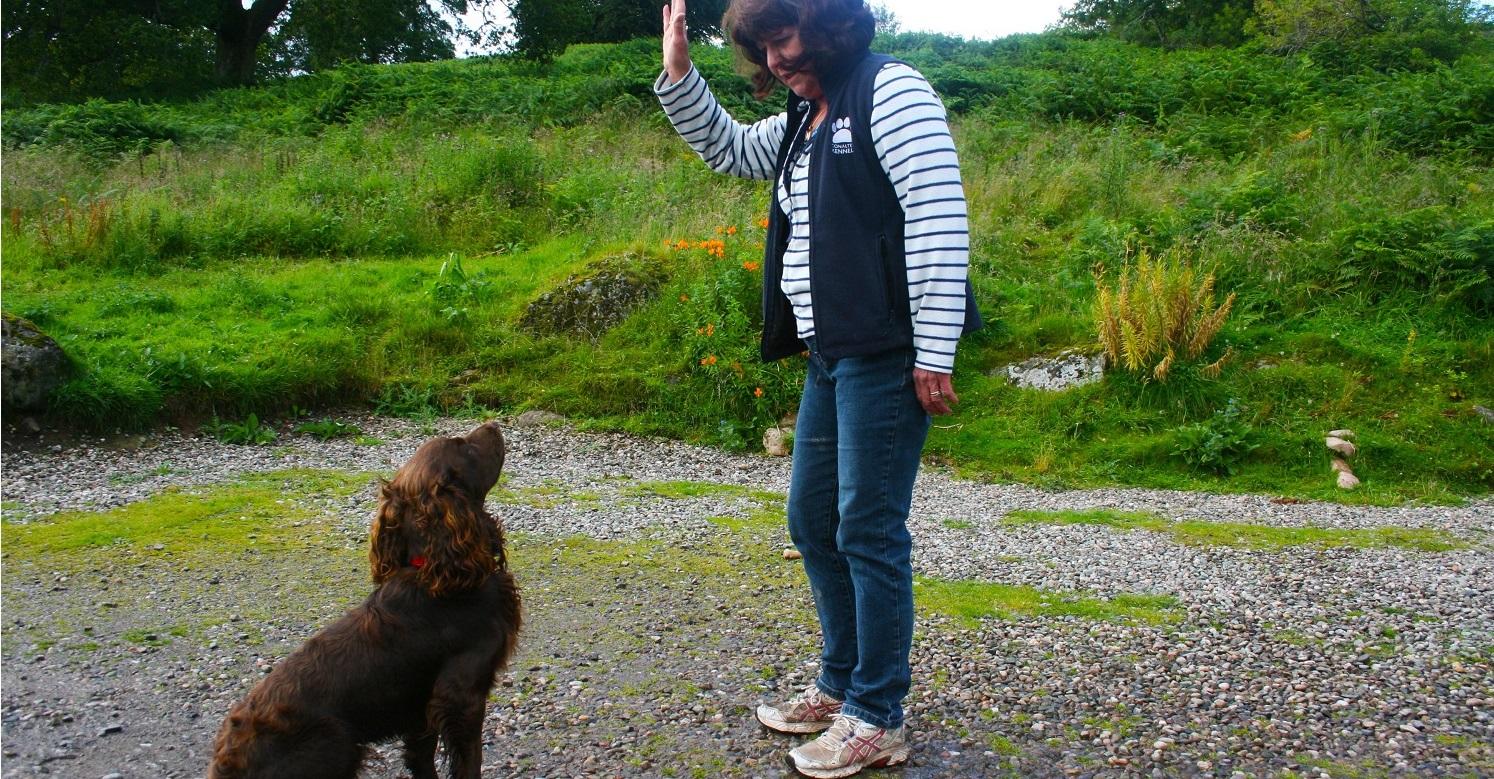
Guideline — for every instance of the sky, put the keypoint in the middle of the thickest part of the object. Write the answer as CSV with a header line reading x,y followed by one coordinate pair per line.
x,y
976,18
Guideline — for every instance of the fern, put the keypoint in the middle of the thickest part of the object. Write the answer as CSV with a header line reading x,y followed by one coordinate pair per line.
x,y
1159,315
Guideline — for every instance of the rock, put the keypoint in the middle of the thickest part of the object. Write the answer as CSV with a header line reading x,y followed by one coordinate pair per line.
x,y
1343,433
537,418
1347,480
776,442
31,364
1486,413
1069,369
601,296
1340,465
1340,445
791,554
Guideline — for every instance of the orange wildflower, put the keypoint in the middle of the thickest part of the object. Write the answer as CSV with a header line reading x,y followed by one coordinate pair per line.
x,y
710,329
731,230
757,393
682,244
684,298
763,223
708,360
751,265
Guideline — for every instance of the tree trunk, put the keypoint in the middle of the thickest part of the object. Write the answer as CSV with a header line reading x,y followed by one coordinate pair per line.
x,y
239,32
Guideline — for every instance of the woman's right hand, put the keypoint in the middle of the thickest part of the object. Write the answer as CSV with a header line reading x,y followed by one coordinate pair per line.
x,y
676,45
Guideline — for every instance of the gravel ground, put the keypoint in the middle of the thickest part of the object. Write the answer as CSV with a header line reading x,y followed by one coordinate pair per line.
x,y
647,646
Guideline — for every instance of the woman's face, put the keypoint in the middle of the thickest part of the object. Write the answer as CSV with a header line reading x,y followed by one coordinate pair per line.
x,y
783,48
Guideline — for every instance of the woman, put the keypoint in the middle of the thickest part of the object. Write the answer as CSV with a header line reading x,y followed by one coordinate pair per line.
x,y
865,269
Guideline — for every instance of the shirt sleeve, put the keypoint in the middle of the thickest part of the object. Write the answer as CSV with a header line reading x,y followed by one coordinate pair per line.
x,y
725,144
910,131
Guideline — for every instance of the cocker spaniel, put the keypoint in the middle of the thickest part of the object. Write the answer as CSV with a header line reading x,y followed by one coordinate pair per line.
x,y
417,659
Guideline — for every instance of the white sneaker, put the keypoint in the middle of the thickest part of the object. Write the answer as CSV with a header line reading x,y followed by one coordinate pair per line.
x,y
849,746
810,711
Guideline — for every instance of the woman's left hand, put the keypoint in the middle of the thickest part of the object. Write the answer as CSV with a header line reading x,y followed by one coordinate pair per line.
x,y
935,391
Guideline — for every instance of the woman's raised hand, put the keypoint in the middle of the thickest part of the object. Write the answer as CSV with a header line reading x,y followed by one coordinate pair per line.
x,y
676,45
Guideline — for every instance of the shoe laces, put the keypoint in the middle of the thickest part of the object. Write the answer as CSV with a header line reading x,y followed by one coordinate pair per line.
x,y
841,731
813,696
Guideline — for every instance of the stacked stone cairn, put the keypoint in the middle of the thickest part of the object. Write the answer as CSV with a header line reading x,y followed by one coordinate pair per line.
x,y
1338,442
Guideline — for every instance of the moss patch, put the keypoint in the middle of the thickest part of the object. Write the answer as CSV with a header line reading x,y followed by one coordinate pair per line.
x,y
683,490
255,509
1245,535
970,601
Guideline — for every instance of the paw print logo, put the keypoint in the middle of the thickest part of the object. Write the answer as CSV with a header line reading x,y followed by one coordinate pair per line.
x,y
842,127
840,142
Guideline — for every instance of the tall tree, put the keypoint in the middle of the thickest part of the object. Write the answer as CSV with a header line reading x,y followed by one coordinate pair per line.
x,y
1393,31
71,49
239,32
319,34
1164,22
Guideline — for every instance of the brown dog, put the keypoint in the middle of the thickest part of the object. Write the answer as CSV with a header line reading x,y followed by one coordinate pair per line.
x,y
418,658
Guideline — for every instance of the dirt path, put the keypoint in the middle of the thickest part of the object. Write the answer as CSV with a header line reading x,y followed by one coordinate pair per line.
x,y
660,610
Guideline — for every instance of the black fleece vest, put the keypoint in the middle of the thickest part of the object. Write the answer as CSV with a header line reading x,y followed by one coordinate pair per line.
x,y
858,275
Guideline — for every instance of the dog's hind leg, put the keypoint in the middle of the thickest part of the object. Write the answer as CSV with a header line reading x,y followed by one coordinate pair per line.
x,y
420,754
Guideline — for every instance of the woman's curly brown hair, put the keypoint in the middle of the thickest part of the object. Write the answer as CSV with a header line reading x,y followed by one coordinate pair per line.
x,y
831,31
431,516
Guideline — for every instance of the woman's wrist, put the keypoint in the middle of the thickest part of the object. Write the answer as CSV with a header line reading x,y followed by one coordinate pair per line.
x,y
677,73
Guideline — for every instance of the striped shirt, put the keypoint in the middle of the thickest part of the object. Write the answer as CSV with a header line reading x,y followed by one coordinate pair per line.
x,y
910,132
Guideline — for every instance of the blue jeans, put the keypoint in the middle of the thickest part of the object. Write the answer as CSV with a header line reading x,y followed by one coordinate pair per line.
x,y
857,444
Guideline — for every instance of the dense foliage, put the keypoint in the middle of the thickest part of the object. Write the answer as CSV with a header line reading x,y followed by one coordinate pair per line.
x,y
68,50
262,249
543,28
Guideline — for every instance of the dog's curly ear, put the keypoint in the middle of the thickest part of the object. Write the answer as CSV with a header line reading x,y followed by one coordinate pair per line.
x,y
388,551
458,550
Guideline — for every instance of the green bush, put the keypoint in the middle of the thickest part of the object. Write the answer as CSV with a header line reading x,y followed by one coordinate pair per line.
x,y
1219,444
249,431
327,429
99,128
1431,252
713,329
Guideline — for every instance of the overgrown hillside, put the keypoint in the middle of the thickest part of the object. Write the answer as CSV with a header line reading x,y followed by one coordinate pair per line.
x,y
373,235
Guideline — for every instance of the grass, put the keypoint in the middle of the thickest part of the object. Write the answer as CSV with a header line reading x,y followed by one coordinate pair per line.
x,y
279,268
970,601
1247,536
